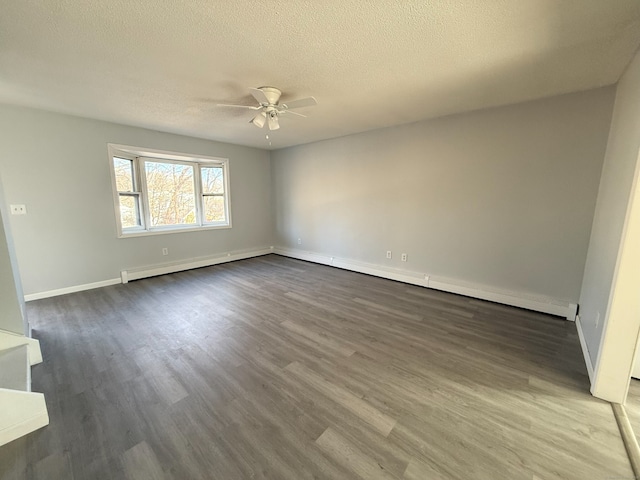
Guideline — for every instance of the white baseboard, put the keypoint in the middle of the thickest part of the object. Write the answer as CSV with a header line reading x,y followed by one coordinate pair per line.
x,y
198,262
73,289
544,305
540,304
153,270
585,350
483,292
404,276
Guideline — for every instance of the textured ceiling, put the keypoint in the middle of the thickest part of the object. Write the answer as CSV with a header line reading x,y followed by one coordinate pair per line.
x,y
164,64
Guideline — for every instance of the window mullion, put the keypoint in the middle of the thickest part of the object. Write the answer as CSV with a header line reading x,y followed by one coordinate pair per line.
x,y
144,194
198,193
137,191
226,193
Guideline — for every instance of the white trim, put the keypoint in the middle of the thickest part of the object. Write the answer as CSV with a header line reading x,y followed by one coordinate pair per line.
x,y
603,336
138,155
355,266
585,349
171,229
613,371
164,154
484,292
163,269
73,289
153,270
546,305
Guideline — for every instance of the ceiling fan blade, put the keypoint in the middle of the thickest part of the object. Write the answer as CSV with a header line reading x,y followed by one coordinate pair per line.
x,y
260,96
300,103
292,113
273,122
238,106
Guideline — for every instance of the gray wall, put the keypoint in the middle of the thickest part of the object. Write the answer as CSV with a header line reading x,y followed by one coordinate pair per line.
x,y
611,208
11,298
58,166
502,197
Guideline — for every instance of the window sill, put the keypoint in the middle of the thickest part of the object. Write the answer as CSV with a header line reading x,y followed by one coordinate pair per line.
x,y
164,231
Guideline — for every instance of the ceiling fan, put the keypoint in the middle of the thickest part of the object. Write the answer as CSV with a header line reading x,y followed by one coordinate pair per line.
x,y
269,108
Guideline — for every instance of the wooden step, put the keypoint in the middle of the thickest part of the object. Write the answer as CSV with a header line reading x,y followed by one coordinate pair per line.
x,y
21,413
15,370
11,340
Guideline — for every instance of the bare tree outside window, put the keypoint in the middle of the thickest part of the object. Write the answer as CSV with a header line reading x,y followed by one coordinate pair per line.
x,y
213,193
128,197
171,193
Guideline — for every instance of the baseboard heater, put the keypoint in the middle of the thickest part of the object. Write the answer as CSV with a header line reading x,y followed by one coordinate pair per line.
x,y
482,292
198,262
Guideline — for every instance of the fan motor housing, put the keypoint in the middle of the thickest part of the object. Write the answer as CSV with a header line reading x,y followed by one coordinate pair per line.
x,y
272,94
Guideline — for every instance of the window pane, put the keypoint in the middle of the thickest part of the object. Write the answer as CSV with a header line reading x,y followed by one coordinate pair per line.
x,y
124,174
212,179
129,211
213,209
171,193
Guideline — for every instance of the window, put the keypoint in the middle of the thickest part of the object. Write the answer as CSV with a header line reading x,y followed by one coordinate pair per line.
x,y
161,192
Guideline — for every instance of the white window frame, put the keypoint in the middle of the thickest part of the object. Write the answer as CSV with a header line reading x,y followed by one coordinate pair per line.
x,y
138,156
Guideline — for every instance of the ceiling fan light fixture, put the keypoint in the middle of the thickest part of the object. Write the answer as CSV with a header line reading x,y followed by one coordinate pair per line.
x,y
259,120
273,122
269,106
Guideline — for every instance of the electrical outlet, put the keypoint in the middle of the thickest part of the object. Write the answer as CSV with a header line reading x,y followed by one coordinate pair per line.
x,y
299,241
388,253
18,209
404,257
165,251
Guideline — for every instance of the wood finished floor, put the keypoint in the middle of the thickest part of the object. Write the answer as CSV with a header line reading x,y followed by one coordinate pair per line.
x,y
273,368
632,406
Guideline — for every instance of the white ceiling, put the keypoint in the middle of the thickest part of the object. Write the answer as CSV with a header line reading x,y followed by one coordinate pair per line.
x,y
164,64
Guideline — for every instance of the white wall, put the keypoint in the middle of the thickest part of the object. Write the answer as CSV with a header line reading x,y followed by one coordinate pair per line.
x,y
12,316
58,166
502,198
610,296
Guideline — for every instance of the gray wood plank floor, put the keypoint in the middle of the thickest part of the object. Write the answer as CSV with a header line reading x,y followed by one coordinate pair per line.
x,y
273,368
632,406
